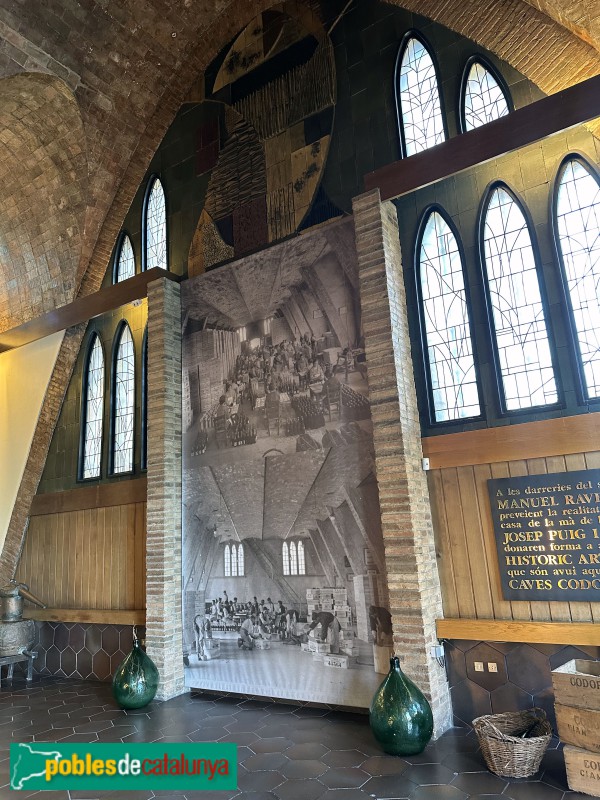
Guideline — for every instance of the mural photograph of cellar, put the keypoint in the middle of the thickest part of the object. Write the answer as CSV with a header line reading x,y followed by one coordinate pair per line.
x,y
282,546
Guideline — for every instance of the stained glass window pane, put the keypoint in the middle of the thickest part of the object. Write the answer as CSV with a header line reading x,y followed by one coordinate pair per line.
x,y
578,218
126,263
286,558
156,228
293,559
145,400
124,403
234,562
301,562
227,561
419,99
240,560
94,407
519,322
484,99
447,329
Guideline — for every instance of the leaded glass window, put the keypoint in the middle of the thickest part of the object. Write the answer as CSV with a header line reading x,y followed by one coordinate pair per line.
x,y
301,562
126,261
234,561
227,555
123,402
240,560
144,458
293,559
156,227
93,410
521,335
483,98
452,375
578,228
419,107
285,555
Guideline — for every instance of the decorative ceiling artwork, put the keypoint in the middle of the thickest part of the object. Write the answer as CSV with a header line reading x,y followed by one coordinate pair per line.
x,y
266,148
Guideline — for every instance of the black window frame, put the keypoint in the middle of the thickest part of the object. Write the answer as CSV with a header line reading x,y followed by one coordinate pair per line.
x,y
413,33
112,403
115,272
149,186
144,403
92,336
498,77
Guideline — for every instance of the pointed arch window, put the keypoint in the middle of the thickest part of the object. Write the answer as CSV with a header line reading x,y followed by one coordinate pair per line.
x,y
234,561
125,261
93,410
524,358
285,555
418,97
451,373
240,560
227,555
484,96
155,227
123,401
577,210
301,561
293,558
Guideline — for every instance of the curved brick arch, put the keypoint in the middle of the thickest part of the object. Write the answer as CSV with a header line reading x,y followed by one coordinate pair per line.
x,y
43,174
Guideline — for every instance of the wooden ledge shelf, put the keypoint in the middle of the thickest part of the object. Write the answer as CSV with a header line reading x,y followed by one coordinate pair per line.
x,y
108,616
500,630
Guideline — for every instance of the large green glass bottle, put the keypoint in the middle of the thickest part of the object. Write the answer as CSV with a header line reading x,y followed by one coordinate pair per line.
x,y
136,679
400,715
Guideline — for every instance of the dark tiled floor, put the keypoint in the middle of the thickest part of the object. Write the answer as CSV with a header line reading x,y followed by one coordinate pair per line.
x,y
285,752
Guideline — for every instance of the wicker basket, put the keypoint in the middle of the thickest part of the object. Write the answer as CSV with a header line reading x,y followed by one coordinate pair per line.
x,y
505,750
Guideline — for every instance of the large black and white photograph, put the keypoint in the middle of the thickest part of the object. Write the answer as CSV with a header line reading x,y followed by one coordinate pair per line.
x,y
284,586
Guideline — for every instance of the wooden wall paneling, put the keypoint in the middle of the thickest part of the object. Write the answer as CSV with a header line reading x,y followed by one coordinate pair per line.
x,y
502,608
129,598
474,541
456,529
443,546
140,555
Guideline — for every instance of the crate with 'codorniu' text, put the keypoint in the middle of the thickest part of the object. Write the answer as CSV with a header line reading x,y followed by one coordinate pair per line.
x,y
577,684
578,726
583,770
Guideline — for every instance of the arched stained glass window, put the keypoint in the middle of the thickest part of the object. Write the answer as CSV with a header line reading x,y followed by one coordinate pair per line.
x,y
227,555
293,559
521,336
452,376
578,229
93,410
240,560
418,98
285,555
125,267
234,561
483,98
123,402
301,561
155,227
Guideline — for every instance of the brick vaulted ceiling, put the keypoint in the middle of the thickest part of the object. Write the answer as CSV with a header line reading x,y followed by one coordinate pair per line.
x,y
89,87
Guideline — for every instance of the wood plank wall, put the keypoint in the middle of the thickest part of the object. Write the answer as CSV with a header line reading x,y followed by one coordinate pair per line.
x,y
92,558
467,557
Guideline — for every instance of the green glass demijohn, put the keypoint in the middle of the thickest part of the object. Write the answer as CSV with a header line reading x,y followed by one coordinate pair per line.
x,y
400,715
136,678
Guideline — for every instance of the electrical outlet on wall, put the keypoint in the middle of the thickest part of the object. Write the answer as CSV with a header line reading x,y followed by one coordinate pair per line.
x,y
492,666
478,666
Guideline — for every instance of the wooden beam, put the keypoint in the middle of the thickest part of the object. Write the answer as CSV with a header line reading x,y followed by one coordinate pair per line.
x,y
103,495
501,630
558,112
83,309
550,437
107,616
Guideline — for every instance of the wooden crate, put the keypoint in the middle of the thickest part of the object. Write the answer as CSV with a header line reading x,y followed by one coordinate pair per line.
x,y
583,770
578,726
577,683
341,662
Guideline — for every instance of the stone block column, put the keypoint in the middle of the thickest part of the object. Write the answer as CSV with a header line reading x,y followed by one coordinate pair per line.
x,y
164,641
410,558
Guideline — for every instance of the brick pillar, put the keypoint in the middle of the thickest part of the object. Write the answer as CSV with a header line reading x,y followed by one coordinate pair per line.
x,y
414,587
163,544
